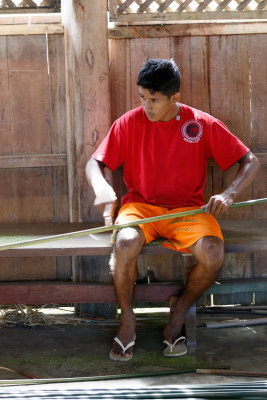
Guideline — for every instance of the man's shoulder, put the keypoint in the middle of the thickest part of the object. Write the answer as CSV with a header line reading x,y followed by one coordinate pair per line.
x,y
197,114
134,114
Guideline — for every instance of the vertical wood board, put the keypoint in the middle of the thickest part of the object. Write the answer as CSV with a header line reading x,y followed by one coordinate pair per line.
x,y
57,92
60,194
141,50
229,84
119,77
27,53
180,52
5,122
258,66
200,60
30,120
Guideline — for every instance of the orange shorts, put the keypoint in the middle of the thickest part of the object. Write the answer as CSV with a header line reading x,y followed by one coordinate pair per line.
x,y
178,233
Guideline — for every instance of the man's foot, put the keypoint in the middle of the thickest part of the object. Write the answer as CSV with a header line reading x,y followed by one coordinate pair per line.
x,y
122,349
173,330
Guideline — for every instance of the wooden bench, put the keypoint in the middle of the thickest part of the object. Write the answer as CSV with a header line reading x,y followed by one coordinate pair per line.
x,y
240,236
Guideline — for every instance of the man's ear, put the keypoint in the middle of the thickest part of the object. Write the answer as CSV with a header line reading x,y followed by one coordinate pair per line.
x,y
175,97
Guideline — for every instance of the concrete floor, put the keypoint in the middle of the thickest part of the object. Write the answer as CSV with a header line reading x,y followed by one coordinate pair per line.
x,y
60,351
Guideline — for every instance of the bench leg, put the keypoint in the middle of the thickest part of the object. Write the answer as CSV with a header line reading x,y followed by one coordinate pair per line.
x,y
190,326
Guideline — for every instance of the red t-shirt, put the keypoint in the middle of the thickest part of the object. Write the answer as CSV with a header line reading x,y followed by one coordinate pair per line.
x,y
165,163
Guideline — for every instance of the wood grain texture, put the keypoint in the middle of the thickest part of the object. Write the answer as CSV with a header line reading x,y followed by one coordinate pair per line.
x,y
258,66
180,52
87,95
57,93
141,50
229,84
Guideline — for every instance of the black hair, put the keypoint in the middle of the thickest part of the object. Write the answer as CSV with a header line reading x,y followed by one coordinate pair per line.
x,y
159,75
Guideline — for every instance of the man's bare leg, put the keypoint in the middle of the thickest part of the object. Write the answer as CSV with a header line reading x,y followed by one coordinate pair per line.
x,y
129,242
209,252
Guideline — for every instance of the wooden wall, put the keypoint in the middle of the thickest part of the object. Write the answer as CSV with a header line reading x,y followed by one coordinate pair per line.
x,y
224,75
33,161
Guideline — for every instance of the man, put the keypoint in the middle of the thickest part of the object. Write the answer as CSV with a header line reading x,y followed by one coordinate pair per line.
x,y
164,146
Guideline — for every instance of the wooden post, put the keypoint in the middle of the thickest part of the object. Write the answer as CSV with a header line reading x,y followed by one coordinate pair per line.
x,y
87,95
88,119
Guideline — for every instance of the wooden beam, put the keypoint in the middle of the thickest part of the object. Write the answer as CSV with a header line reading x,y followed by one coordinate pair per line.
x,y
189,16
36,29
87,95
33,161
67,292
188,29
62,293
44,18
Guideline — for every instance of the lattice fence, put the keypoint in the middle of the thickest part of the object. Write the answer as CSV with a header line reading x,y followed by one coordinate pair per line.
x,y
169,10
17,6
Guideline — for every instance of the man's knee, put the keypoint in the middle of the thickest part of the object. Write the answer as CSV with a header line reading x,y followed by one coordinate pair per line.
x,y
129,242
209,251
214,252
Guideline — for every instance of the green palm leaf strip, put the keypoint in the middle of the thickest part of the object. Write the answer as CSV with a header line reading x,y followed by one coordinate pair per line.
x,y
101,229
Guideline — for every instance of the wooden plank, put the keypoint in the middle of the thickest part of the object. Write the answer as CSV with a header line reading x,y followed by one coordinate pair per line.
x,y
57,92
29,77
64,268
30,101
96,269
240,236
33,161
60,293
3,55
260,187
239,27
120,78
180,52
36,268
141,50
158,269
113,8
199,54
260,272
258,66
32,29
7,199
87,96
5,124
27,53
45,18
32,195
232,106
175,16
60,194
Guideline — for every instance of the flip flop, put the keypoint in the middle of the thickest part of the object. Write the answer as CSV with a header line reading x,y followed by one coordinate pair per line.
x,y
124,349
176,349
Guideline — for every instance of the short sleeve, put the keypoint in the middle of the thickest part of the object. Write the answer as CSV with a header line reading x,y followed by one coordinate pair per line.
x,y
111,150
223,146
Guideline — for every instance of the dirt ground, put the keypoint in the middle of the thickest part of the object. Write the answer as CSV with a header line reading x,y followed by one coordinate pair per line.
x,y
81,349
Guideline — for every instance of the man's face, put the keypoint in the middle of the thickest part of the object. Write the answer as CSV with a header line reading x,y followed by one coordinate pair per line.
x,y
157,106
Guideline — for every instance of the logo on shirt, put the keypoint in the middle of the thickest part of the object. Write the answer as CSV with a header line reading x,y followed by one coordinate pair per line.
x,y
192,131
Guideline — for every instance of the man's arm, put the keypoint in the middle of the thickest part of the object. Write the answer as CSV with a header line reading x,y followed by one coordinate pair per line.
x,y
249,166
105,197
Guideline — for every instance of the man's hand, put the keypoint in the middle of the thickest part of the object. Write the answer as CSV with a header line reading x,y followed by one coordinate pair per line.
x,y
108,213
106,202
218,204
